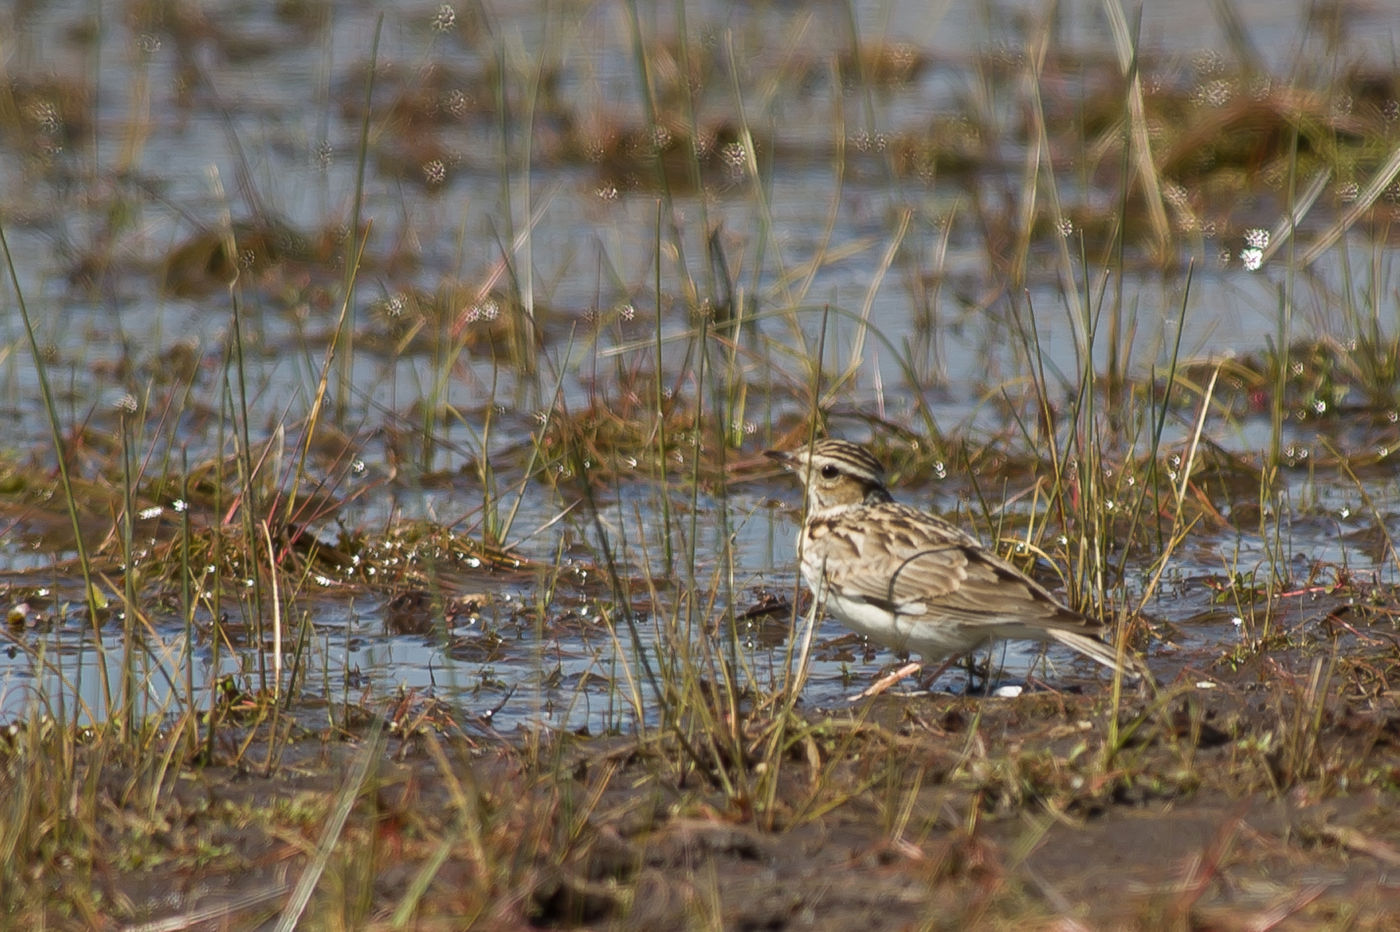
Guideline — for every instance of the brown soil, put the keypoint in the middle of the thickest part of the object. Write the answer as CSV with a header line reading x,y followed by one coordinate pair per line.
x,y
1265,801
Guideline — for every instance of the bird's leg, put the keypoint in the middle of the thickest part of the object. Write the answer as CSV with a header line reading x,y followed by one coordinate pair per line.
x,y
970,666
980,667
909,669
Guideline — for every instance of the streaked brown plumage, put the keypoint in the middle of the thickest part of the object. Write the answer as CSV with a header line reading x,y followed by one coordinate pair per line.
x,y
910,580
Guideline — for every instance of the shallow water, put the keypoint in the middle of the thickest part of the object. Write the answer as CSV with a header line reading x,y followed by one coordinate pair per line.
x,y
239,112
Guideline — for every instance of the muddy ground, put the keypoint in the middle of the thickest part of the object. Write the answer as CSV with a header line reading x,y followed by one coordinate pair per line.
x,y
1262,800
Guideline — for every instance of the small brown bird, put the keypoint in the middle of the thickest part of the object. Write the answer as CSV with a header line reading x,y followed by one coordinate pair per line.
x,y
910,580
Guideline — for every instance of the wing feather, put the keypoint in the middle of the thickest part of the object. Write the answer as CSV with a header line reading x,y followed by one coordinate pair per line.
x,y
916,564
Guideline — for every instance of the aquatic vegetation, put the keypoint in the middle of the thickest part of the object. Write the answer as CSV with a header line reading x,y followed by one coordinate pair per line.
x,y
387,538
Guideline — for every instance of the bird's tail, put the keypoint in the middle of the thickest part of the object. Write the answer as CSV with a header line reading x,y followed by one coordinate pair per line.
x,y
1102,652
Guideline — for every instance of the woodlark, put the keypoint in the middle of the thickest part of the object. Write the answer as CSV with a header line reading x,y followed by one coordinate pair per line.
x,y
912,581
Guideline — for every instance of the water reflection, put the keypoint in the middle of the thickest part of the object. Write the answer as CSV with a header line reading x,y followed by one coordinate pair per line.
x,y
524,262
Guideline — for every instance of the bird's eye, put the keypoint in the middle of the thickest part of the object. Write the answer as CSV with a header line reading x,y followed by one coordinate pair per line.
x,y
830,472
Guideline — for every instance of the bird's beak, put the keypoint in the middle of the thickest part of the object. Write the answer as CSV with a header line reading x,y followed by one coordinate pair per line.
x,y
782,456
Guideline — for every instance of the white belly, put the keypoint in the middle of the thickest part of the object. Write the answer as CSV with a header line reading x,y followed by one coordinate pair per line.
x,y
930,637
